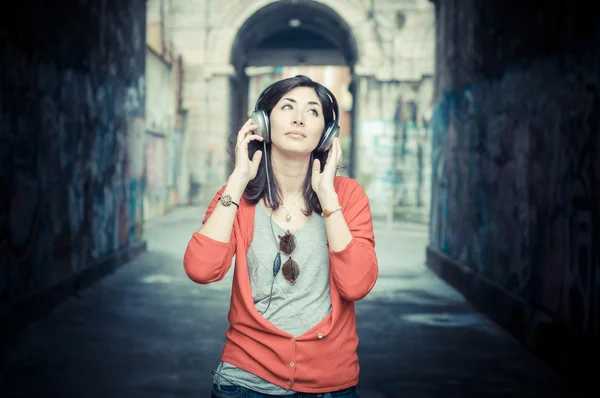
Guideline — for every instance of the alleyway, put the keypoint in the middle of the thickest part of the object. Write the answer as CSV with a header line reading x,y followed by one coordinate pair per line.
x,y
148,331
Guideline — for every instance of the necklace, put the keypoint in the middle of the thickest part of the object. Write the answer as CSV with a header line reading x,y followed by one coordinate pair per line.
x,y
288,216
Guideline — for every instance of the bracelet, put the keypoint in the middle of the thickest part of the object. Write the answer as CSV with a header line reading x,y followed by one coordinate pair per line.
x,y
226,201
327,213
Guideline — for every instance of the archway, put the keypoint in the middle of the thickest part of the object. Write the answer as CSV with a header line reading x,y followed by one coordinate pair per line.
x,y
288,34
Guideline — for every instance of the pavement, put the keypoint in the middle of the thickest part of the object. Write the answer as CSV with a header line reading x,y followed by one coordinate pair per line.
x,y
148,331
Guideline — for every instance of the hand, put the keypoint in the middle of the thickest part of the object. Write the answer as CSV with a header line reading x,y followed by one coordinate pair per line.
x,y
244,167
322,182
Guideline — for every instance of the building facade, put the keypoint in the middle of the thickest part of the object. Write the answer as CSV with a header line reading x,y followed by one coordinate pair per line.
x,y
377,56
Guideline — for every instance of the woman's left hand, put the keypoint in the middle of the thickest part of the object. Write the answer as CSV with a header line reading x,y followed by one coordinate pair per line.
x,y
322,182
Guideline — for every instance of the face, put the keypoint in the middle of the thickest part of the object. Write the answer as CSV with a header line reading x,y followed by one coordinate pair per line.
x,y
297,121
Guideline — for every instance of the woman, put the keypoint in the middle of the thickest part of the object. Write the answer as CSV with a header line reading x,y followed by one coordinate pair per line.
x,y
304,247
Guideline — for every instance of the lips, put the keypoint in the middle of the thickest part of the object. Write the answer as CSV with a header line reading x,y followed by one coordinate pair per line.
x,y
295,134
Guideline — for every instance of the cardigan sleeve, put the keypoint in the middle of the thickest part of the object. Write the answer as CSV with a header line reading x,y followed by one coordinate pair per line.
x,y
207,260
354,268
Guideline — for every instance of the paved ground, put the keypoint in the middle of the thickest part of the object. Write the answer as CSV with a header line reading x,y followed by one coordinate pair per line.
x,y
148,331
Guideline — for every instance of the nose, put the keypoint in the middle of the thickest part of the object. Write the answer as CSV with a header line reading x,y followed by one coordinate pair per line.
x,y
298,120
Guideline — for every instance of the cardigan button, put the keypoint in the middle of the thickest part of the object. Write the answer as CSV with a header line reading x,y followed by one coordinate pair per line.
x,y
320,335
289,383
292,364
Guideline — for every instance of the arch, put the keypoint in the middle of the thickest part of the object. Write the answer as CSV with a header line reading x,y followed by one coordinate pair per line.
x,y
252,35
223,41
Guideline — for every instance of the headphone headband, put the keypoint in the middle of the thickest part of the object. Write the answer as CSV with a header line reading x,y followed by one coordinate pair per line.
x,y
262,93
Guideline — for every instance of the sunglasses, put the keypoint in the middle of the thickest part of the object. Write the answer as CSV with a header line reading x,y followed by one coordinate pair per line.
x,y
290,269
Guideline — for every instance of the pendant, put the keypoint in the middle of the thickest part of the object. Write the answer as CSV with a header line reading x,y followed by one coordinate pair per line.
x,y
288,217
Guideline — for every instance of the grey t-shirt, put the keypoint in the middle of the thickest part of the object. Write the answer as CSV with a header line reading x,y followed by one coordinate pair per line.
x,y
294,309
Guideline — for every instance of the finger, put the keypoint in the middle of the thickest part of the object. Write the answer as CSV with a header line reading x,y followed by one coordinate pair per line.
x,y
334,149
246,124
332,157
316,167
247,139
257,157
339,153
244,131
250,129
246,128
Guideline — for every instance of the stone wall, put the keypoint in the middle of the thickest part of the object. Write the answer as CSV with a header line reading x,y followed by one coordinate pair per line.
x,y
516,168
71,132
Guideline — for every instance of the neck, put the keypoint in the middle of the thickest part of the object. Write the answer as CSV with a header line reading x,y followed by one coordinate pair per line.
x,y
290,174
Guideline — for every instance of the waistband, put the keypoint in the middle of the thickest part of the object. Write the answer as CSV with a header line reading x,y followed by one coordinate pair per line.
x,y
298,394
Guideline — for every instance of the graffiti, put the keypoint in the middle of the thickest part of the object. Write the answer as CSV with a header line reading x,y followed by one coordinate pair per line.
x,y
155,194
69,181
514,193
411,163
132,208
135,143
377,149
134,99
395,152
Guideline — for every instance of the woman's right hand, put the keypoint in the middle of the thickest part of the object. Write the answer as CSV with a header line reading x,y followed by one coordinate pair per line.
x,y
244,167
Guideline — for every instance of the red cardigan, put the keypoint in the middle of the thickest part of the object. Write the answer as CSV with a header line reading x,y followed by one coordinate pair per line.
x,y
322,359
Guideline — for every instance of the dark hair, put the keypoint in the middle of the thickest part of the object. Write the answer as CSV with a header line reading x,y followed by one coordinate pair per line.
x,y
257,188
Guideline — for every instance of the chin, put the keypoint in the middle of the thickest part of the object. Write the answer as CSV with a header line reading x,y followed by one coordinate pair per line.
x,y
296,149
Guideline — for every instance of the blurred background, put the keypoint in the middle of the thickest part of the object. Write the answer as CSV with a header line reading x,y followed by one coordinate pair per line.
x,y
473,126
207,62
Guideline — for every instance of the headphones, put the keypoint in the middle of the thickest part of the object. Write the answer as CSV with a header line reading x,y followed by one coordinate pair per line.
x,y
332,130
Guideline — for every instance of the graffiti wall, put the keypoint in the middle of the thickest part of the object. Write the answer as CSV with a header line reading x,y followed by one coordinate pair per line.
x,y
71,140
377,150
398,155
516,177
155,194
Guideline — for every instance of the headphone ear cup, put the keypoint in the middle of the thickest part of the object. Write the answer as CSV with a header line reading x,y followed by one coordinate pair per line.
x,y
261,119
332,131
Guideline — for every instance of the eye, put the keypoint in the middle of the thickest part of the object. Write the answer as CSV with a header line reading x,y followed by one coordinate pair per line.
x,y
314,111
286,105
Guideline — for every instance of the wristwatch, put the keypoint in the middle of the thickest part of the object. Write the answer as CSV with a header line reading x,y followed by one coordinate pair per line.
x,y
226,201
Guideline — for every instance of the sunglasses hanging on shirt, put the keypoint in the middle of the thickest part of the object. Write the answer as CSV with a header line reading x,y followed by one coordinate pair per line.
x,y
290,269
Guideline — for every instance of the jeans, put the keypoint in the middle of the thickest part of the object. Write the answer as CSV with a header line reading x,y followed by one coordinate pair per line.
x,y
241,392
